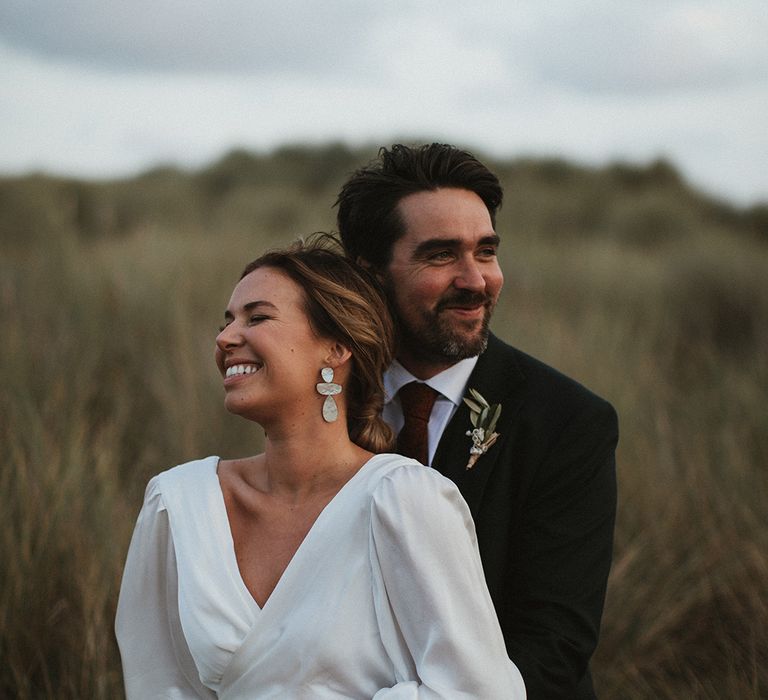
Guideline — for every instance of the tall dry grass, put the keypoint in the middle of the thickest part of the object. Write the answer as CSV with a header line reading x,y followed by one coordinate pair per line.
x,y
676,339
107,378
108,317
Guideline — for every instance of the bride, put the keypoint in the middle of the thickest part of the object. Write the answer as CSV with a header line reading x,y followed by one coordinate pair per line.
x,y
324,567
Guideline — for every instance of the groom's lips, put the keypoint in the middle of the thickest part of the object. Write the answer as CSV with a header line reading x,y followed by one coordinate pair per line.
x,y
466,305
467,311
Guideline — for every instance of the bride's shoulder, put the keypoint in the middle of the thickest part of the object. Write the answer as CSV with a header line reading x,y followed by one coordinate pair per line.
x,y
409,490
245,468
402,476
189,475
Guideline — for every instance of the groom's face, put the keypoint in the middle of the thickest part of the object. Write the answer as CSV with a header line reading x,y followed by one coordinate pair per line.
x,y
444,278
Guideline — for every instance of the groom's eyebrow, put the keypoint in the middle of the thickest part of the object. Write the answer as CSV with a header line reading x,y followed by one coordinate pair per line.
x,y
433,244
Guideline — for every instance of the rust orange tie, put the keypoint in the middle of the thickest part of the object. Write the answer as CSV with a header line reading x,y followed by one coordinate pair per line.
x,y
416,400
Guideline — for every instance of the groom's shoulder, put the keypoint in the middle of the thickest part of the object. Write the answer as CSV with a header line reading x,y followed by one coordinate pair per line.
x,y
543,385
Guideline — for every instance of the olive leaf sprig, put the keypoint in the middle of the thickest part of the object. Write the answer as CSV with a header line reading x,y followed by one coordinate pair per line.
x,y
484,417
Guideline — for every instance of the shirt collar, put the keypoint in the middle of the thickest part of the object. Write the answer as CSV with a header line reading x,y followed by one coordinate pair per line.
x,y
450,383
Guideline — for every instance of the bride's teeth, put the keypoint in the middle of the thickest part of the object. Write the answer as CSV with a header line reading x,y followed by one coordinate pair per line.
x,y
241,369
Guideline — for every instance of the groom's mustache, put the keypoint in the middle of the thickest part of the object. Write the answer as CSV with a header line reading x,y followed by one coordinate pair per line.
x,y
464,298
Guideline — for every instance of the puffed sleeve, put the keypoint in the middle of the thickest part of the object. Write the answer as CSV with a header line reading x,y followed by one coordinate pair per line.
x,y
437,619
156,660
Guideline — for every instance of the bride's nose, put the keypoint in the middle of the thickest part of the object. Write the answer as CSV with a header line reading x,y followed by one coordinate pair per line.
x,y
229,337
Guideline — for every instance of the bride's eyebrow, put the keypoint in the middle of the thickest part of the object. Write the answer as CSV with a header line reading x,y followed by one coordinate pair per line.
x,y
254,304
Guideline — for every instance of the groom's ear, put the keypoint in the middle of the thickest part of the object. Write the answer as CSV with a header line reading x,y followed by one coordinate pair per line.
x,y
375,271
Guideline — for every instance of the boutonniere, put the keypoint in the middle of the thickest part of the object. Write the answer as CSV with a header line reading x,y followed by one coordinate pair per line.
x,y
484,417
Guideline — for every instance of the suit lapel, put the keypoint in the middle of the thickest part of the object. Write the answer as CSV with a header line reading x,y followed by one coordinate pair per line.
x,y
496,376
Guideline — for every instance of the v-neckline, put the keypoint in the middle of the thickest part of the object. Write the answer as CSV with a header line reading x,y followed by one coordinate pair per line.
x,y
230,554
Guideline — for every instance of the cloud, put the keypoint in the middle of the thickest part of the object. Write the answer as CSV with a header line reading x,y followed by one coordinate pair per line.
x,y
593,46
96,89
183,36
644,48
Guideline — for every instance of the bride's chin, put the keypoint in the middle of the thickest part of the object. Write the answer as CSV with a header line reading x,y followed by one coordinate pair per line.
x,y
244,409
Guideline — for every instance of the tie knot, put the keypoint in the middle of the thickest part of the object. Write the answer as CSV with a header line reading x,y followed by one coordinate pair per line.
x,y
416,400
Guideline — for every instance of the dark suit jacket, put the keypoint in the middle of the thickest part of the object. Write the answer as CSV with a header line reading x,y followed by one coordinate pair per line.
x,y
544,499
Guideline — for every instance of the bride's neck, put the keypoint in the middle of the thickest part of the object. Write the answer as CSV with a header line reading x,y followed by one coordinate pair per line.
x,y
301,462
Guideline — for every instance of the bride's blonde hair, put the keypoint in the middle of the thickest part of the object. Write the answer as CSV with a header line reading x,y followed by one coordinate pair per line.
x,y
345,303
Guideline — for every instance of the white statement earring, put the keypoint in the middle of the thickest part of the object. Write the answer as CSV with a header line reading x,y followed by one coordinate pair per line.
x,y
328,389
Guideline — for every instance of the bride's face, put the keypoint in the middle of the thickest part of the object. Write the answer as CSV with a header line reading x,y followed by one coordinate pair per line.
x,y
268,354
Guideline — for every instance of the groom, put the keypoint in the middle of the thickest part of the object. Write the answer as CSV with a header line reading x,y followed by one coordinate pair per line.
x,y
543,492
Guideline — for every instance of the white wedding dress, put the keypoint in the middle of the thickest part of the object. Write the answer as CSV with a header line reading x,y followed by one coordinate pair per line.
x,y
385,598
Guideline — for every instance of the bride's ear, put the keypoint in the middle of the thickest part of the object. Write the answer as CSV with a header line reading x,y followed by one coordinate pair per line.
x,y
338,355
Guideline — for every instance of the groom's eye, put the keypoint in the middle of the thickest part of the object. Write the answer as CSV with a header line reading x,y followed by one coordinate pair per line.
x,y
488,252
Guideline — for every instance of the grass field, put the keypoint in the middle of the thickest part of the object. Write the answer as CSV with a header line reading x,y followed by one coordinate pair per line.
x,y
651,294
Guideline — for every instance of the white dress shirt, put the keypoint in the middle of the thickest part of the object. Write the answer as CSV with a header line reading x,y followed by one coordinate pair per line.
x,y
451,386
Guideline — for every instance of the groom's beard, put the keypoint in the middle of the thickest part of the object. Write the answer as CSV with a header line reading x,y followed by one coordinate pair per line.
x,y
433,336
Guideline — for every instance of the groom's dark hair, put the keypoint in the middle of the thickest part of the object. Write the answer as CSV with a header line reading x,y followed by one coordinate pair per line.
x,y
368,219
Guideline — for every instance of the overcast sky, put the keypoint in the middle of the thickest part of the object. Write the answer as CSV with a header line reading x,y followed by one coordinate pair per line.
x,y
101,87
